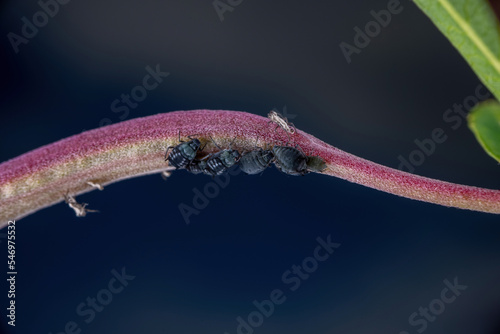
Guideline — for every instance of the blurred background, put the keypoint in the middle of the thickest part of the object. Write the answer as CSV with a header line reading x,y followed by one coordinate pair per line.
x,y
253,56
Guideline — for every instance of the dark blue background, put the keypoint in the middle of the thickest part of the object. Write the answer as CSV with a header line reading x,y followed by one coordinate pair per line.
x,y
198,278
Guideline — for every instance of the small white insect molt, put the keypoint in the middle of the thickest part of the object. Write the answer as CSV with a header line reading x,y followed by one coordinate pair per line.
x,y
80,209
95,185
281,121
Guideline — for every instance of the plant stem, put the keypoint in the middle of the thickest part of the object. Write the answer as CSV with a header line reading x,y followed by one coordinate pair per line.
x,y
77,164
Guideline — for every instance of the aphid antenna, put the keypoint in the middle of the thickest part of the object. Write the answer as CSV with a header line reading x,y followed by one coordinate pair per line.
x,y
255,147
300,149
232,142
231,148
192,136
201,149
179,136
168,148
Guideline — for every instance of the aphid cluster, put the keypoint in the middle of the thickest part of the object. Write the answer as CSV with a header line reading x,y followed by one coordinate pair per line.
x,y
290,160
187,155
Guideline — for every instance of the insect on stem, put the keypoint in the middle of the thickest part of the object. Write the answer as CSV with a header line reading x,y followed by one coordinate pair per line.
x,y
282,122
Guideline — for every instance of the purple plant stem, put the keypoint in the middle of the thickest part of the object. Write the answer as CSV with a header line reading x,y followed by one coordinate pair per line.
x,y
43,177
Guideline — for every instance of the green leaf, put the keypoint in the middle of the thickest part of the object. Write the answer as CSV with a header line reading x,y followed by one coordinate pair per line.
x,y
484,121
472,27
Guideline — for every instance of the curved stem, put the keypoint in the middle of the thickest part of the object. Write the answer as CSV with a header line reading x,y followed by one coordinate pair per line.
x,y
77,164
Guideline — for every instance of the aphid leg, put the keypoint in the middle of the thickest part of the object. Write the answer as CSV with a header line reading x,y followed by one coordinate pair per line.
x,y
288,135
279,126
215,143
285,143
255,145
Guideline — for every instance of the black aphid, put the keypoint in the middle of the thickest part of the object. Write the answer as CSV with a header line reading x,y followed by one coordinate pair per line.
x,y
197,166
182,154
221,161
290,160
293,161
256,161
